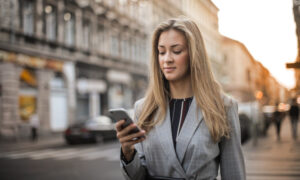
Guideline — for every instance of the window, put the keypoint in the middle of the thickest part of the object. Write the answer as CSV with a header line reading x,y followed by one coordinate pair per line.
x,y
134,49
50,22
86,34
114,45
107,40
124,50
101,38
132,53
69,28
137,49
28,17
127,49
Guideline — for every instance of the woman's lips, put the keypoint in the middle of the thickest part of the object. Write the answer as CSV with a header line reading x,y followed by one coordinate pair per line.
x,y
169,69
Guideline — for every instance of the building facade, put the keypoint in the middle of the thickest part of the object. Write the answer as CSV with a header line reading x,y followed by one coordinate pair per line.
x,y
68,60
205,13
248,80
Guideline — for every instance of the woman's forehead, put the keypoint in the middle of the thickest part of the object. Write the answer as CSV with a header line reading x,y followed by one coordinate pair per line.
x,y
171,38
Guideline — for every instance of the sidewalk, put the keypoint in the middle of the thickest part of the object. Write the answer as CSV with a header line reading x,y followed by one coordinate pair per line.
x,y
24,144
272,159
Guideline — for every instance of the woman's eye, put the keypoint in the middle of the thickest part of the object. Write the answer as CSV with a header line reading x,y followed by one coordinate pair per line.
x,y
177,52
161,53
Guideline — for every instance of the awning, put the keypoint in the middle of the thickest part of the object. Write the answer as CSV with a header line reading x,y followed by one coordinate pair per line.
x,y
91,85
31,61
119,77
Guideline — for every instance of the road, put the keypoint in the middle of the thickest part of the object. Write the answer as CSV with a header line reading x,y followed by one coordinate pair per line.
x,y
100,161
268,160
272,159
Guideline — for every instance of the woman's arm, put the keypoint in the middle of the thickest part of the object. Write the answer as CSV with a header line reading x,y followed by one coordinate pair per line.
x,y
231,156
134,168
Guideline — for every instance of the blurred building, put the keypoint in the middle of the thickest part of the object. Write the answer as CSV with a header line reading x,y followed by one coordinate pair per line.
x,y
248,80
68,60
205,13
296,65
240,67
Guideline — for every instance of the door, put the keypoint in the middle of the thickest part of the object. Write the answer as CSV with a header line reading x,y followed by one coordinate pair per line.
x,y
58,105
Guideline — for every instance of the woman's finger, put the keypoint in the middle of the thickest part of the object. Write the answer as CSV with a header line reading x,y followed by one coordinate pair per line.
x,y
133,142
132,136
119,125
125,131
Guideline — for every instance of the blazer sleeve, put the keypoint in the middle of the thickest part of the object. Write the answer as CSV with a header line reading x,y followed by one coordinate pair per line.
x,y
232,163
136,169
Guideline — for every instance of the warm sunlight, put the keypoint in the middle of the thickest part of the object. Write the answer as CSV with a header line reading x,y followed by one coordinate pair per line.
x,y
267,29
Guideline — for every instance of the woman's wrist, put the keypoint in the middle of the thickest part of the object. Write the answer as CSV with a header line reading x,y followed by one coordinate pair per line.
x,y
128,155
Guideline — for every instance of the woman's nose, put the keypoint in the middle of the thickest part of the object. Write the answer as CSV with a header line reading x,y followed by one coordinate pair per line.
x,y
168,58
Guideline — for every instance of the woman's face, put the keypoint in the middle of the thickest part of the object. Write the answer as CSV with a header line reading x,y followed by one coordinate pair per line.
x,y
173,56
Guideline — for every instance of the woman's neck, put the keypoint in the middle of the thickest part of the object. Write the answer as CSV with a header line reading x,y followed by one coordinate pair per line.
x,y
181,90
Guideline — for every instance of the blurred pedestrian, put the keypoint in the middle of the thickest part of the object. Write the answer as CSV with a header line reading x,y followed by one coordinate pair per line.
x,y
277,118
192,129
294,117
34,125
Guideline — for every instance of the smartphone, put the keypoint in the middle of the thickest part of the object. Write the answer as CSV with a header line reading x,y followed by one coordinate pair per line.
x,y
120,114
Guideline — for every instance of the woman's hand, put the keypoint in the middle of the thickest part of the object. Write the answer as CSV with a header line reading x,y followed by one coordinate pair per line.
x,y
128,140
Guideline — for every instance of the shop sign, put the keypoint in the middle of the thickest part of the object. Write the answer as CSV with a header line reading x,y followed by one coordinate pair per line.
x,y
91,85
31,61
118,77
28,77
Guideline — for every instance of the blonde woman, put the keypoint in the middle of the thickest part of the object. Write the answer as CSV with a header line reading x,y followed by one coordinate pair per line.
x,y
190,128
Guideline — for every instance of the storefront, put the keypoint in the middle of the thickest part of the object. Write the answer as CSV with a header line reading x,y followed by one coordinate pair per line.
x,y
31,85
58,103
91,91
28,92
120,93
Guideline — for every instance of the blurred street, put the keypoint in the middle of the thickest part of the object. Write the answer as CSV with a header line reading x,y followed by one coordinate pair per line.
x,y
53,159
65,63
57,160
271,159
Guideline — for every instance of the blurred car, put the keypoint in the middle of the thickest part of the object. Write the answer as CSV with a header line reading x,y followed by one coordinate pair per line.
x,y
92,130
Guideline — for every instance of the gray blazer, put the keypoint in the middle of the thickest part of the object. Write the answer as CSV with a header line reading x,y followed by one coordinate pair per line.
x,y
196,156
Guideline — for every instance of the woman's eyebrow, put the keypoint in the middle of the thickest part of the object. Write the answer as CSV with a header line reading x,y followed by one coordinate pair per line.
x,y
174,45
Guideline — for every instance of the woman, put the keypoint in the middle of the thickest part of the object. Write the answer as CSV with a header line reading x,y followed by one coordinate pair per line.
x,y
190,127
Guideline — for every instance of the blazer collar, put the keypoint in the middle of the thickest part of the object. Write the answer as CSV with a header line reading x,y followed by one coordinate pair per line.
x,y
165,136
191,123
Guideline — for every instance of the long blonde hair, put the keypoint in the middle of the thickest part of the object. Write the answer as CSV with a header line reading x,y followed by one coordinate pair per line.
x,y
207,92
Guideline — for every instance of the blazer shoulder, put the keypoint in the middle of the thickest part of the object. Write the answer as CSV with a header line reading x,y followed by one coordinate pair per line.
x,y
229,101
138,105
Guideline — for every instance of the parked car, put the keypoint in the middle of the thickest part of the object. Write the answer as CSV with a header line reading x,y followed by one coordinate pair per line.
x,y
92,130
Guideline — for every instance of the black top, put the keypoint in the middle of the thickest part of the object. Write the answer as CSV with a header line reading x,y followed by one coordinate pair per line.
x,y
294,111
178,111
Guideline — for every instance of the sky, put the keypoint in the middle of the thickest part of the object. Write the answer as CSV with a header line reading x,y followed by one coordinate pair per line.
x,y
268,30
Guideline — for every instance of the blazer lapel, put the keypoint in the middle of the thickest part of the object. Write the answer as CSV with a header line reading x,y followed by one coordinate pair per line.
x,y
191,123
165,137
